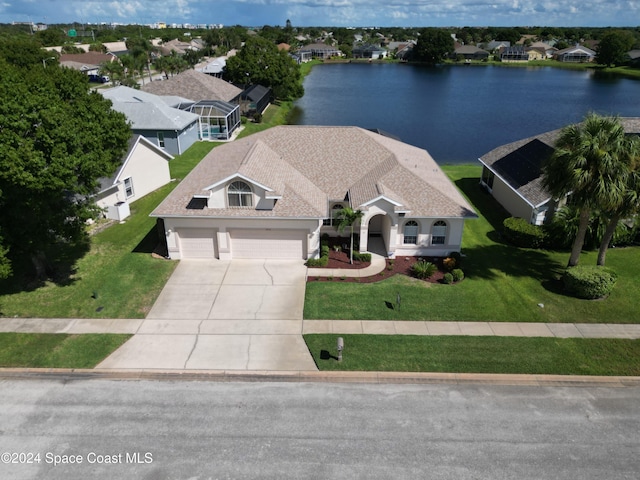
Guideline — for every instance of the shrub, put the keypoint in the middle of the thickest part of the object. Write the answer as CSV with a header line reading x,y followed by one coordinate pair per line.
x,y
361,257
522,234
457,256
457,274
449,263
324,251
323,261
589,281
448,278
423,269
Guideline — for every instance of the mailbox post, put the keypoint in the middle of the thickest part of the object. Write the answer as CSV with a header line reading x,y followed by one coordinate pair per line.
x,y
340,348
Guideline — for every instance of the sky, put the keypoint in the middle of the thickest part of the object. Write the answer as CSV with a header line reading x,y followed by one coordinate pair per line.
x,y
340,13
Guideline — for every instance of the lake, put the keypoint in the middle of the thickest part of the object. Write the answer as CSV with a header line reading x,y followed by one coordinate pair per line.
x,y
459,113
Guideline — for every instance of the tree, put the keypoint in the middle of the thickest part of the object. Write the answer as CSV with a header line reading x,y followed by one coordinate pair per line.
x,y
589,163
629,203
58,139
260,62
613,47
432,46
347,218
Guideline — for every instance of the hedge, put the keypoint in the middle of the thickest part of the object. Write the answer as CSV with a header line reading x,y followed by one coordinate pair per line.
x,y
522,234
589,281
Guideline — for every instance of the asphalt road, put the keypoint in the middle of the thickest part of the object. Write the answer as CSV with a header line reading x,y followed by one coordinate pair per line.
x,y
145,429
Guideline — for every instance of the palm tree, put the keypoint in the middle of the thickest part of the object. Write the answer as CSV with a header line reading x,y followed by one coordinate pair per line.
x,y
347,218
630,203
589,163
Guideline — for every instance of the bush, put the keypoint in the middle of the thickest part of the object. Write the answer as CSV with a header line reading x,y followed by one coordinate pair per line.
x,y
449,263
323,261
423,269
457,274
361,257
324,250
522,234
457,256
589,281
448,278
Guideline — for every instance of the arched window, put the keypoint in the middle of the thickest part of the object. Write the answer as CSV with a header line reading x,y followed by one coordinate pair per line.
x,y
239,195
439,233
333,219
411,232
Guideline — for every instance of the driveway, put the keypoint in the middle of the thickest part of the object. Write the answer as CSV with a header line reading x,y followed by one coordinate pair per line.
x,y
223,315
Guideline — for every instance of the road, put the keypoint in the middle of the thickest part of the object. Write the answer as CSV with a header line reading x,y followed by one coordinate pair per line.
x,y
145,429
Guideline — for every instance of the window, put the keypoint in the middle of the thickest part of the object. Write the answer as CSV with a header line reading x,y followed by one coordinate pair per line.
x,y
239,195
487,177
161,139
411,232
439,233
128,187
335,210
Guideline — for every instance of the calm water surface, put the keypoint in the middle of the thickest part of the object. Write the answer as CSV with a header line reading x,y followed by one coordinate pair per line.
x,y
458,113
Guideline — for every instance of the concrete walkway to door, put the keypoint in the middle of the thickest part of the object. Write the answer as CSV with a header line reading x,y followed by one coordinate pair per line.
x,y
223,315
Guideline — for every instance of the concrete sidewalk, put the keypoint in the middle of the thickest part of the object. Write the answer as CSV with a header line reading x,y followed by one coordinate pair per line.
x,y
498,329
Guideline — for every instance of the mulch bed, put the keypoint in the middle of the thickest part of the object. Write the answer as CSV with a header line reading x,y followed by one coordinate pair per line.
x,y
397,265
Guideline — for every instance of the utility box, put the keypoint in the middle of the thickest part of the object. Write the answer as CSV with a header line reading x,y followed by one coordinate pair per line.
x,y
119,211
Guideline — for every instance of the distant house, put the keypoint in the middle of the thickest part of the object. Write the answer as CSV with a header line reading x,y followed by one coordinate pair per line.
x,y
577,54
634,57
144,169
195,86
517,53
402,50
320,51
169,128
88,63
512,174
255,99
369,51
470,52
545,49
214,67
497,45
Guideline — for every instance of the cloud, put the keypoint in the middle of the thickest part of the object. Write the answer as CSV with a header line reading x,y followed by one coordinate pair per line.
x,y
420,13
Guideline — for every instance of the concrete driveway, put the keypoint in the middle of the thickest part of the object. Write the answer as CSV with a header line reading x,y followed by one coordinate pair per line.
x,y
223,315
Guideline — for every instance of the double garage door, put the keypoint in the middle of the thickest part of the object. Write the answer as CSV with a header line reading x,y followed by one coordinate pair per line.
x,y
258,243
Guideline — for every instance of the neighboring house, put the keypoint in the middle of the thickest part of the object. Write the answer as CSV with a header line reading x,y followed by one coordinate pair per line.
x,y
545,49
276,192
169,128
470,52
369,51
512,174
319,50
402,50
180,48
497,45
577,54
634,58
517,53
144,169
255,99
195,86
214,67
88,63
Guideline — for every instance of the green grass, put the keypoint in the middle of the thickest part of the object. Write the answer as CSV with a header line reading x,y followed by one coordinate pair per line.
x,y
553,356
502,283
40,350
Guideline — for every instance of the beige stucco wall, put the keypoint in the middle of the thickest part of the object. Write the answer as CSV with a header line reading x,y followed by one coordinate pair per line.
x,y
510,200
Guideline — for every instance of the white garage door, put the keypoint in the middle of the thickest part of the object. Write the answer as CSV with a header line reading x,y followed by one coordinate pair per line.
x,y
197,242
268,244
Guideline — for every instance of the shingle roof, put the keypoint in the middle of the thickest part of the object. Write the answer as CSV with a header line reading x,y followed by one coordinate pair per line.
x,y
519,163
195,86
311,166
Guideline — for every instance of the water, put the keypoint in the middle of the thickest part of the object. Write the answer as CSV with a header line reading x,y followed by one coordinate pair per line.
x,y
459,113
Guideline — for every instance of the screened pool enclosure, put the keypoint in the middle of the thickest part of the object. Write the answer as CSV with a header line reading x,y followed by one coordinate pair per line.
x,y
218,119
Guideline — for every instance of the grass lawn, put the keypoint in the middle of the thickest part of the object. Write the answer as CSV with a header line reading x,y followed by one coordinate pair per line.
x,y
40,350
117,277
553,356
503,283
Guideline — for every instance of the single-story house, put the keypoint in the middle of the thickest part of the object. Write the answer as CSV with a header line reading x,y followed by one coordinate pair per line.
x,y
213,67
369,51
577,54
275,193
88,63
195,86
319,50
470,52
516,53
512,173
144,169
169,128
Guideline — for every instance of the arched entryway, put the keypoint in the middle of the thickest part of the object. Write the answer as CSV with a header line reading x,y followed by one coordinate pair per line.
x,y
378,234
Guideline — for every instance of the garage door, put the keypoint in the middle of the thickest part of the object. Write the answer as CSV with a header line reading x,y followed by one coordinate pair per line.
x,y
268,244
197,242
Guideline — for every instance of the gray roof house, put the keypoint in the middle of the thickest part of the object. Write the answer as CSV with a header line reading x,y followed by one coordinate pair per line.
x,y
512,174
470,52
577,54
169,128
275,193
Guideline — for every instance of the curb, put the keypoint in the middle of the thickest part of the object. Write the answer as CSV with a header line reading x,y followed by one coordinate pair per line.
x,y
322,377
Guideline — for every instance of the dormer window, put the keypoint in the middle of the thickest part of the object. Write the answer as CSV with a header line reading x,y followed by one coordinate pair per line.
x,y
239,195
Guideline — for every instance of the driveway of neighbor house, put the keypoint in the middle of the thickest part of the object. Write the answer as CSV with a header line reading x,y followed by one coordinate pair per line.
x,y
223,315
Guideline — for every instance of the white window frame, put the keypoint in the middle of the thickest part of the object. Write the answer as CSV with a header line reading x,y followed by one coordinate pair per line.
x,y
410,232
128,187
439,231
337,207
161,139
242,192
